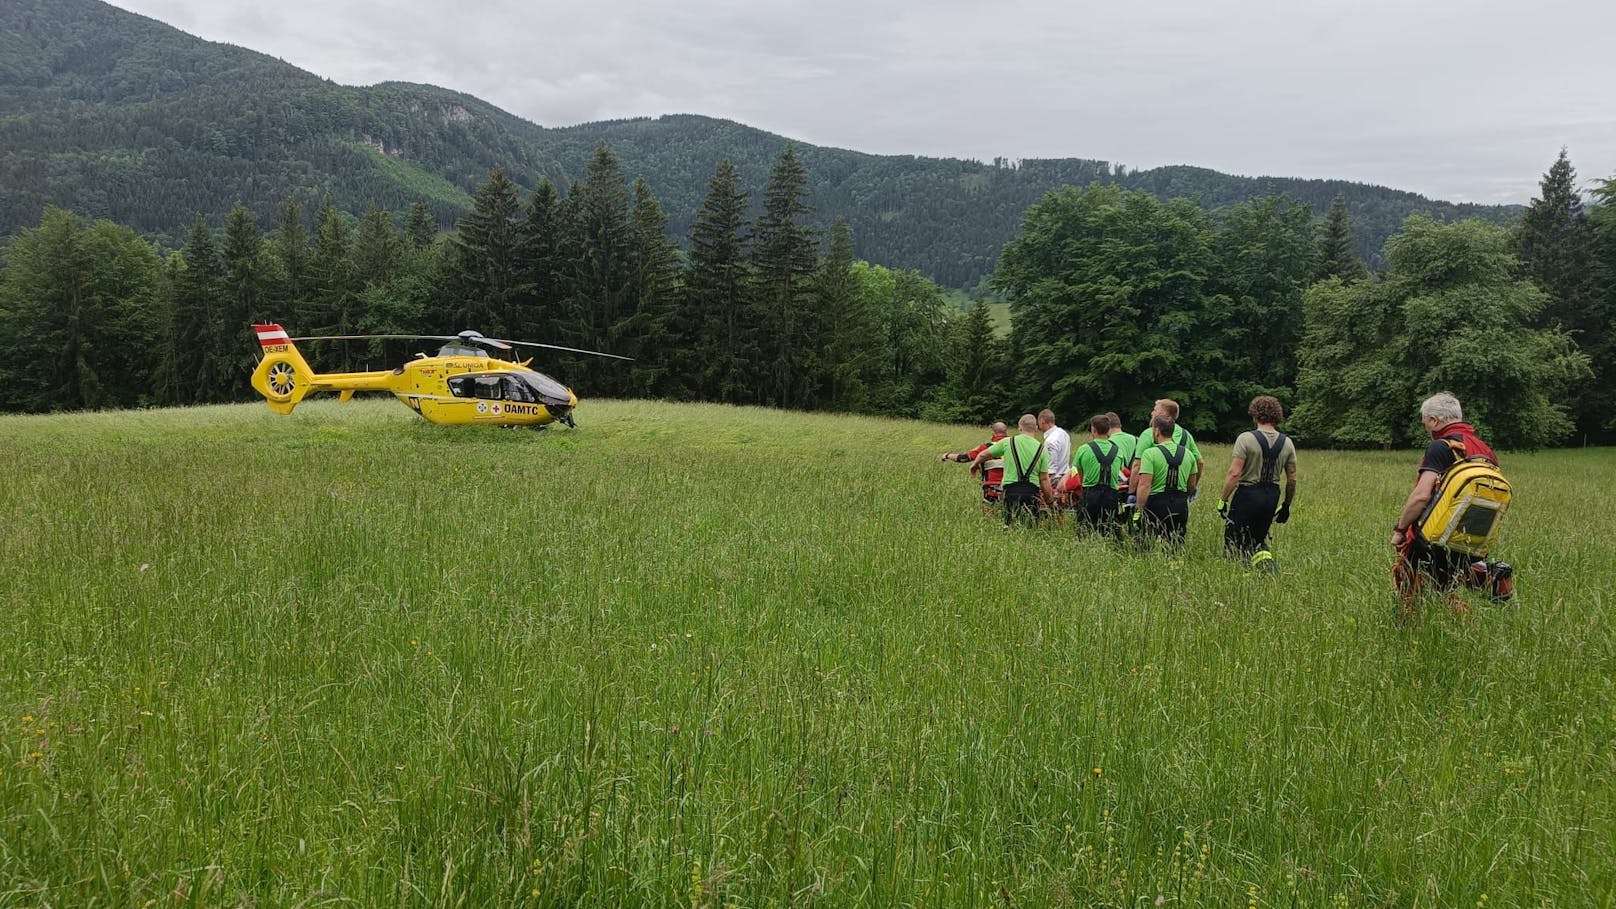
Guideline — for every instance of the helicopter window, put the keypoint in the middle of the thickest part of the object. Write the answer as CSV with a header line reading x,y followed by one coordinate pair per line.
x,y
489,388
517,390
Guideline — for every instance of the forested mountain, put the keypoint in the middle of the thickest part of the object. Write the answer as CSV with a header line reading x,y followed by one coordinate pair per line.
x,y
115,115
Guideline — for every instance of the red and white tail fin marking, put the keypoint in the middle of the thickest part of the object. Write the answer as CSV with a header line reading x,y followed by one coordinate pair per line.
x,y
271,335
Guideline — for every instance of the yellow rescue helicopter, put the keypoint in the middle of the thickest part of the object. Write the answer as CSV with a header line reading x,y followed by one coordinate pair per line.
x,y
464,384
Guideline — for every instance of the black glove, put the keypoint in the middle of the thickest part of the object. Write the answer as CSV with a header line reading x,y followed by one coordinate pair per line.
x,y
1283,514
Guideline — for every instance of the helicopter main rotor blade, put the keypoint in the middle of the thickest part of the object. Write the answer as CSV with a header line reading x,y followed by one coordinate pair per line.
x,y
592,353
377,338
498,343
473,339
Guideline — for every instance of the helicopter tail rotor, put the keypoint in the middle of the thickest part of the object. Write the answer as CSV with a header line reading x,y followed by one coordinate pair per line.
x,y
283,377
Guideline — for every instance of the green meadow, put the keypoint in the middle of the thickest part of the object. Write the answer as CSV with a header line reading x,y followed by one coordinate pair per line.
x,y
706,656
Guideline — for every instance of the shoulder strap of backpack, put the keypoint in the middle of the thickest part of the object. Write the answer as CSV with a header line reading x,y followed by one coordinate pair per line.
x,y
1456,445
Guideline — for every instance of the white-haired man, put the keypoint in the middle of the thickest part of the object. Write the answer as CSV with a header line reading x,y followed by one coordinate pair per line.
x,y
1452,440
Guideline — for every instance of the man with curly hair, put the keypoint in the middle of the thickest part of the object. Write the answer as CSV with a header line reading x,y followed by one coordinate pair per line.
x,y
1251,503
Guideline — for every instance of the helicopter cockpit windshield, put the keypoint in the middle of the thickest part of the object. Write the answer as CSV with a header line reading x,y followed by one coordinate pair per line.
x,y
544,388
525,386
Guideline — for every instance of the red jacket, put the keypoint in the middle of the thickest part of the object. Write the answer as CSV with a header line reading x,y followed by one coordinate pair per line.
x,y
992,469
1473,445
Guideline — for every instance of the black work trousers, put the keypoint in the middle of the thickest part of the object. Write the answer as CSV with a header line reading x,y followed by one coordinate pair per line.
x,y
1020,503
1251,515
1099,508
1167,516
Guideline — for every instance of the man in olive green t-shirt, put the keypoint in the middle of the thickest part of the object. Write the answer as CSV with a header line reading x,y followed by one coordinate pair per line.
x,y
1250,503
1167,475
1166,407
1026,470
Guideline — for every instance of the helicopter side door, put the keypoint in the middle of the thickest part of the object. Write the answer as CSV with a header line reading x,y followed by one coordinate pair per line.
x,y
523,406
473,398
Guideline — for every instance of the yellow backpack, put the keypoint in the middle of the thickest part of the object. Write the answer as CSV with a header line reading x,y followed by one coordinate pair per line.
x,y
1468,507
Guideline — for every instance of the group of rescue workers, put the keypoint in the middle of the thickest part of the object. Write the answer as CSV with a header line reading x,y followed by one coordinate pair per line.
x,y
1139,488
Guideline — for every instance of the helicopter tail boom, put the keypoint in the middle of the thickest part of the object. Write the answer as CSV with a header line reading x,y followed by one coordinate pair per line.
x,y
284,378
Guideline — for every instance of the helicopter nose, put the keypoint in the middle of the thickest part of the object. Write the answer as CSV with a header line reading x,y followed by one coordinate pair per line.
x,y
561,412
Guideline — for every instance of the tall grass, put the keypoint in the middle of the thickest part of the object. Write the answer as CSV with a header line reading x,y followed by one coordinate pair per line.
x,y
709,656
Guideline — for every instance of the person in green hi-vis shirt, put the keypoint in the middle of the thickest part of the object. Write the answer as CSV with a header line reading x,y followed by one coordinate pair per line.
x,y
1168,472
1026,471
1127,441
1166,407
1099,468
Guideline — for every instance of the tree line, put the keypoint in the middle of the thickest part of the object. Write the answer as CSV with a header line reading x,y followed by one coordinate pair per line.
x,y
761,310
1116,298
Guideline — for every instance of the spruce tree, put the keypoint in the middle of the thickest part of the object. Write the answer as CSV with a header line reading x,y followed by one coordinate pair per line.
x,y
168,384
196,296
334,306
1597,404
1336,253
976,369
784,258
52,317
1553,243
291,249
420,228
603,312
564,323
845,354
124,277
539,260
716,290
486,276
230,355
653,289
76,314
377,250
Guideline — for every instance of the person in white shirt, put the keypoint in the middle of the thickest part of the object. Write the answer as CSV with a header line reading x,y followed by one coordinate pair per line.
x,y
1058,445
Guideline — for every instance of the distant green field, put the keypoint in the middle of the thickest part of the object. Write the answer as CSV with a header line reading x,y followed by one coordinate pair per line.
x,y
1000,312
706,656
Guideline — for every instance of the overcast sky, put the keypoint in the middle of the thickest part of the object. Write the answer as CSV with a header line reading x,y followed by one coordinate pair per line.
x,y
1467,100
